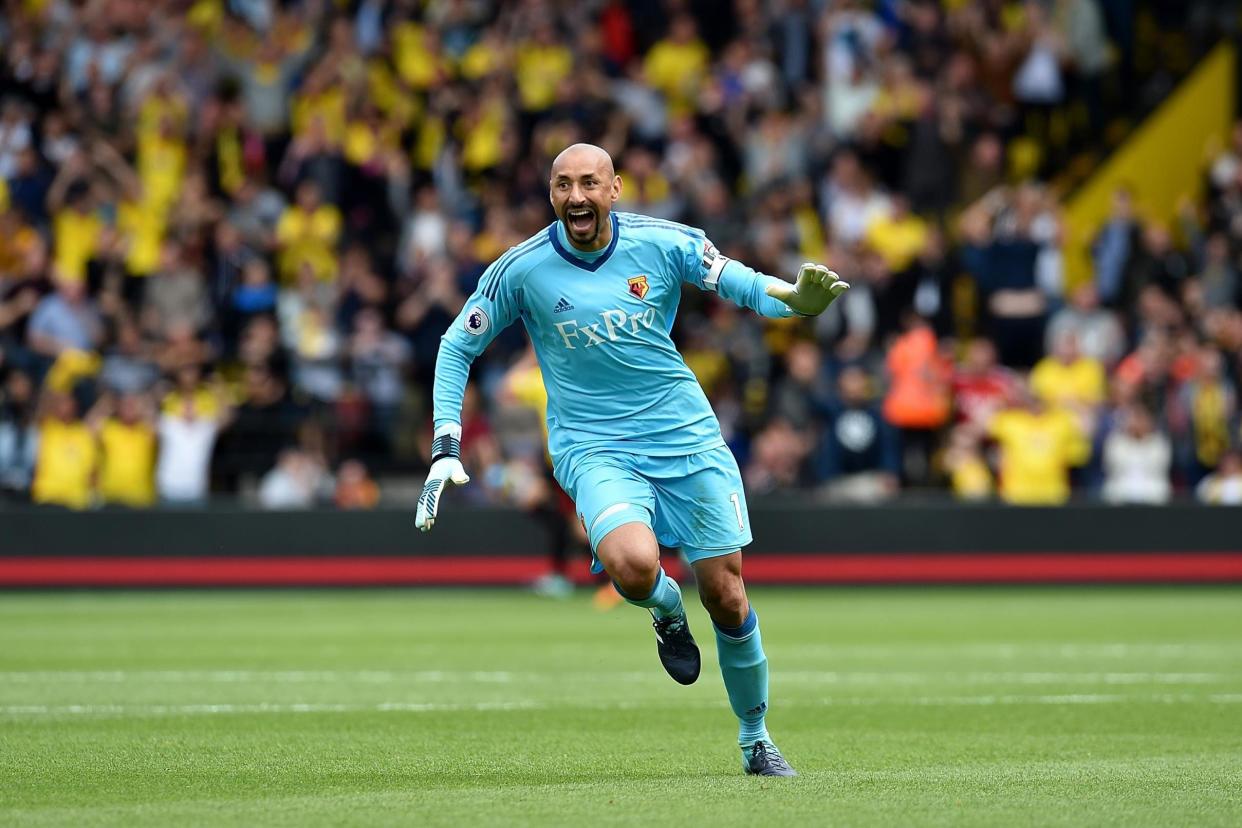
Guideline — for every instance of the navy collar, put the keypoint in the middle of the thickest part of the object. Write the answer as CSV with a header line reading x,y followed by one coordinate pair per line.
x,y
586,264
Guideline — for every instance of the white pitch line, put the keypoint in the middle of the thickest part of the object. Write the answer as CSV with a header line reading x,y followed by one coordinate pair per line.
x,y
506,677
261,707
1015,650
435,707
975,677
991,700
244,676
311,707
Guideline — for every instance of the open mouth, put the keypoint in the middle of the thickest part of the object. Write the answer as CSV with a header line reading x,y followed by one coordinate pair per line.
x,y
581,220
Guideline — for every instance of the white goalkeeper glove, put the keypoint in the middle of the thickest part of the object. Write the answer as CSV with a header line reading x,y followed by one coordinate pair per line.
x,y
446,468
814,291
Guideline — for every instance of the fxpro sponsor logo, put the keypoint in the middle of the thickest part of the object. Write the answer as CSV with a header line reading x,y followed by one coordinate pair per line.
x,y
611,326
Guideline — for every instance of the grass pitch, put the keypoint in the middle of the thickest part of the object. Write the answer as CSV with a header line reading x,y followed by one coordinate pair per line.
x,y
898,707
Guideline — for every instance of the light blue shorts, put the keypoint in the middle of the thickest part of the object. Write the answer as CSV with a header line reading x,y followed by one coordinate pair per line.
x,y
694,502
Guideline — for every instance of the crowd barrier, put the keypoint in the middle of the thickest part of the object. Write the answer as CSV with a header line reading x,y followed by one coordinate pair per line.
x,y
795,543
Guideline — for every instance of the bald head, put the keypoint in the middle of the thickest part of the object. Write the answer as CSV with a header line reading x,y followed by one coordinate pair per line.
x,y
576,156
583,187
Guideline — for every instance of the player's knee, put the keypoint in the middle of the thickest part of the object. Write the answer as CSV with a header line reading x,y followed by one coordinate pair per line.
x,y
635,574
631,558
633,571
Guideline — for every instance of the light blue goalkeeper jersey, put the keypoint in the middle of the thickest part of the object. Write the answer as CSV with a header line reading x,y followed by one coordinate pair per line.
x,y
600,323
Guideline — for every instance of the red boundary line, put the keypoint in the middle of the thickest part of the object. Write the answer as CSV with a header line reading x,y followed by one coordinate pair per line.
x,y
506,570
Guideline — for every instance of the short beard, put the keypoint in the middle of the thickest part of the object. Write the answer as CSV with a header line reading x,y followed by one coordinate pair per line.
x,y
569,231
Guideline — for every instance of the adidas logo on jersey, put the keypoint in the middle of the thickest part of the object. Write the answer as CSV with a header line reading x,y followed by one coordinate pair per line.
x,y
562,305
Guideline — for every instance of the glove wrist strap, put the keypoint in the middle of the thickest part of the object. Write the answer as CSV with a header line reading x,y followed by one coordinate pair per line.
x,y
446,443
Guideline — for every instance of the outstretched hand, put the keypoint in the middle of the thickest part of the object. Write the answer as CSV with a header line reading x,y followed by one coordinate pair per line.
x,y
816,288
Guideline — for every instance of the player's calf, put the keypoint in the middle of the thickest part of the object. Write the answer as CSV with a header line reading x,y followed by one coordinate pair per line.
x,y
722,592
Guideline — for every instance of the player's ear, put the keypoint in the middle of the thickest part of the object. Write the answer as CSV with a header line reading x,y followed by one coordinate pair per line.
x,y
616,187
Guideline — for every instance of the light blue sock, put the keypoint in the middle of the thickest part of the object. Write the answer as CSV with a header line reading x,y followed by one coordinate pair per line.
x,y
745,671
664,600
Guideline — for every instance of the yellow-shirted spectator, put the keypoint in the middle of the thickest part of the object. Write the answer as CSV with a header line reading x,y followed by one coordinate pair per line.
x,y
416,54
368,139
1067,378
307,234
1038,446
429,141
486,57
971,479
127,445
808,224
204,400
161,165
161,107
71,366
65,464
645,187
482,132
677,65
320,101
76,232
230,169
390,96
541,65
141,226
898,237
969,475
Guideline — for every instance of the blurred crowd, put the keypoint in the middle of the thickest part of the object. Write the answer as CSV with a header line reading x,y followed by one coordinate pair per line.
x,y
233,231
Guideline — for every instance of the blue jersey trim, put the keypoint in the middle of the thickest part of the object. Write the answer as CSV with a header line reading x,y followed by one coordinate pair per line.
x,y
515,253
596,264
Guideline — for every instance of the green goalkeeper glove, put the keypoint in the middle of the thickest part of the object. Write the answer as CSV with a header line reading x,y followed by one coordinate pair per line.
x,y
814,291
446,468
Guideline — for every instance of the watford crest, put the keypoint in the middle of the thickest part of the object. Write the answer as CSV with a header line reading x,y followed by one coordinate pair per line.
x,y
639,286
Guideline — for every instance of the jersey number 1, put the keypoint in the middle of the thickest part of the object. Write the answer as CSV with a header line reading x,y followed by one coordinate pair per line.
x,y
737,507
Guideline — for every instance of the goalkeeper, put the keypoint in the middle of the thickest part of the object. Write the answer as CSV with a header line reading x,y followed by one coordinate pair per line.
x,y
632,437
